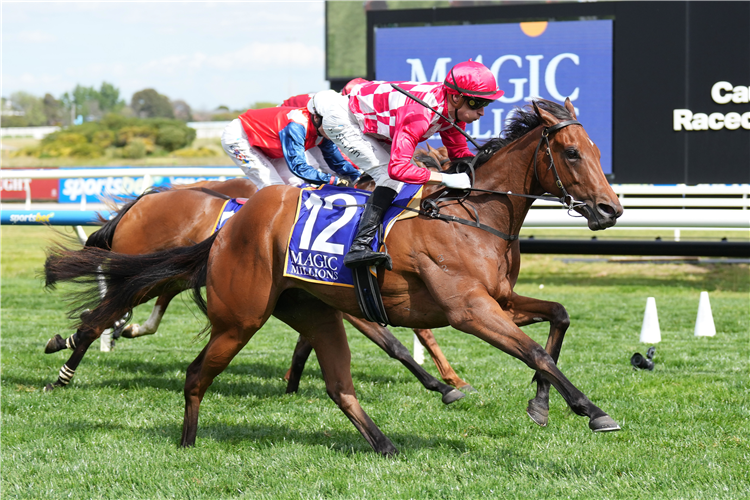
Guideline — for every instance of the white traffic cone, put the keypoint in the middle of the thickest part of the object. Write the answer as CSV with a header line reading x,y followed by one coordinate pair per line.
x,y
650,331
704,323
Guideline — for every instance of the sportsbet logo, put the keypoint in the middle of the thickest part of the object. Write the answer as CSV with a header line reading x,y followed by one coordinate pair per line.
x,y
37,217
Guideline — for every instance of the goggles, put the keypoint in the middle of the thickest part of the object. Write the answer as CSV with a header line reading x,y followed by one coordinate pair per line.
x,y
477,102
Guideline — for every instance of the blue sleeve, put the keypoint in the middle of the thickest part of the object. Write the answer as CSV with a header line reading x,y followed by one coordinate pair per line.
x,y
293,145
338,164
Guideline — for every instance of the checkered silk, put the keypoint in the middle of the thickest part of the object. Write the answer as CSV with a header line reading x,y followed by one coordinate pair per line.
x,y
393,117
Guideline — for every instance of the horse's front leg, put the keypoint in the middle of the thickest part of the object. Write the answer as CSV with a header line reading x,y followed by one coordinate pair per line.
x,y
447,373
475,312
526,311
384,339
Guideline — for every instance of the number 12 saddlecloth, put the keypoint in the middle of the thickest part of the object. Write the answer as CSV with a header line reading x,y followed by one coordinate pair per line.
x,y
325,226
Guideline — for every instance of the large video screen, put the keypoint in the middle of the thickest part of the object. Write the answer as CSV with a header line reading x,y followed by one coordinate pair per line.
x,y
551,60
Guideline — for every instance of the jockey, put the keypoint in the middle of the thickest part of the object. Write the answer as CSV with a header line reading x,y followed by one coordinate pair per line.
x,y
269,146
379,128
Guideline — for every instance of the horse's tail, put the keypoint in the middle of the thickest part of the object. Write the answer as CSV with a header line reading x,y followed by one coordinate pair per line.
x,y
102,237
130,279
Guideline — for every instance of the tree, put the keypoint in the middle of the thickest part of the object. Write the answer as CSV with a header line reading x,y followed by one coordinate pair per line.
x,y
32,107
53,110
92,103
182,110
148,103
109,98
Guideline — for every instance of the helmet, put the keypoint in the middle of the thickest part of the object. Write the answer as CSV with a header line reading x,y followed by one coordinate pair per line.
x,y
471,78
352,83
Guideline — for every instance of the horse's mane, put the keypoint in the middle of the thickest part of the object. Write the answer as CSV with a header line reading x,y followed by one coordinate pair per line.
x,y
523,121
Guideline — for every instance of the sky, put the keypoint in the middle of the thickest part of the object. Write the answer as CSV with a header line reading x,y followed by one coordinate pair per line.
x,y
208,54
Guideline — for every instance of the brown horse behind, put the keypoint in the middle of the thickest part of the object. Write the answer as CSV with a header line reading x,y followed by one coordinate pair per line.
x,y
181,217
444,273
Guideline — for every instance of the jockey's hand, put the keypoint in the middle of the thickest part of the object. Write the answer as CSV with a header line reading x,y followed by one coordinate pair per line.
x,y
338,181
456,181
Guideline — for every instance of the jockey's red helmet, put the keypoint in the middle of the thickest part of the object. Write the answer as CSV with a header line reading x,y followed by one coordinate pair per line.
x,y
471,78
353,83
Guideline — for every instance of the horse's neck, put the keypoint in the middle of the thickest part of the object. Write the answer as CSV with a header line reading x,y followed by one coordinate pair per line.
x,y
512,169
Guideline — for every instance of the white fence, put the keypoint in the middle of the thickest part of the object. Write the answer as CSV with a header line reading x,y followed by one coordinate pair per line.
x,y
35,132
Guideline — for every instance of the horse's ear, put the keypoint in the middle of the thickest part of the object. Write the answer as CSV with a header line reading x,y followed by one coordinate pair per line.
x,y
430,149
570,108
548,119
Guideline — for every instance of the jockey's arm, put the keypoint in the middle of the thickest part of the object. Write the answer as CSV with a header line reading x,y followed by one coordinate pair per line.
x,y
336,161
455,142
412,123
293,145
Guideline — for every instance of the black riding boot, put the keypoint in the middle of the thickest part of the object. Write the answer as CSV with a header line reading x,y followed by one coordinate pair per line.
x,y
361,253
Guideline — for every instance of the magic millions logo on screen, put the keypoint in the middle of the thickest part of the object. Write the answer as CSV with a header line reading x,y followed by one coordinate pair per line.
x,y
529,60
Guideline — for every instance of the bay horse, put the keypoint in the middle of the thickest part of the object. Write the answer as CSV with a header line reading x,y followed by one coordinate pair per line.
x,y
453,270
162,219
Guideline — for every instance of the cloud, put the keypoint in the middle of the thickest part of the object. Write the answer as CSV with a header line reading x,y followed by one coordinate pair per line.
x,y
36,36
253,56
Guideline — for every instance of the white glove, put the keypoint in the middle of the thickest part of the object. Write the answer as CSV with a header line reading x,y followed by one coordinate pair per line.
x,y
456,181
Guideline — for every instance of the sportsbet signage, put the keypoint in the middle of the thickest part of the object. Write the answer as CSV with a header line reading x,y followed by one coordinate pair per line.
x,y
529,60
96,188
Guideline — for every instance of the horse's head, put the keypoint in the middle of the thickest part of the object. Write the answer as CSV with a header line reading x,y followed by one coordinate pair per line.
x,y
577,162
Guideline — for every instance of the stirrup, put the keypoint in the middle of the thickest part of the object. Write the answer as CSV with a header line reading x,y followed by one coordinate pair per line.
x,y
360,258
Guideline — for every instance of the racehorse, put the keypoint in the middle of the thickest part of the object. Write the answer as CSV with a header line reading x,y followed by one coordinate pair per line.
x,y
447,270
159,220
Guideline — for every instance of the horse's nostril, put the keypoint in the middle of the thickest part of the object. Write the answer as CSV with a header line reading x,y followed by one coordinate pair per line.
x,y
606,209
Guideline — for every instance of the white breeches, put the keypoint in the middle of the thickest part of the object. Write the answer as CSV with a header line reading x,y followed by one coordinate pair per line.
x,y
260,169
341,126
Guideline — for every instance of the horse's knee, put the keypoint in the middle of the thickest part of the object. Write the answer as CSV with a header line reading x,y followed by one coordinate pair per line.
x,y
560,316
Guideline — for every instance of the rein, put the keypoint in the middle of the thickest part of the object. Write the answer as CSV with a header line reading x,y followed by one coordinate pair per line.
x,y
431,208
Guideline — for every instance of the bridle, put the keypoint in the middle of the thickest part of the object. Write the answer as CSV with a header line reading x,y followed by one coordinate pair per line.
x,y
431,206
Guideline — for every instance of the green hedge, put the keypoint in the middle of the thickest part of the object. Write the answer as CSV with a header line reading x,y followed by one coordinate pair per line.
x,y
116,136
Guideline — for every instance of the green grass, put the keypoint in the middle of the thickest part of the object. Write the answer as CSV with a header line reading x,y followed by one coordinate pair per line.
x,y
113,432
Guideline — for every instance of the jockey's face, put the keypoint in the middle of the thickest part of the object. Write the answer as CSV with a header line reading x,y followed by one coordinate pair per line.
x,y
463,112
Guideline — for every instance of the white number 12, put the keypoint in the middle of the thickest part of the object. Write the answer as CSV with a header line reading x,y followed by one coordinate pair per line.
x,y
321,244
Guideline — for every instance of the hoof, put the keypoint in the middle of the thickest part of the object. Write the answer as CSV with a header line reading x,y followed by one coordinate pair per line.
x,y
467,389
538,413
49,388
605,423
56,343
452,396
128,332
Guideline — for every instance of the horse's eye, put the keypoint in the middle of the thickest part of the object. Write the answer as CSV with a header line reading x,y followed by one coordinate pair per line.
x,y
572,154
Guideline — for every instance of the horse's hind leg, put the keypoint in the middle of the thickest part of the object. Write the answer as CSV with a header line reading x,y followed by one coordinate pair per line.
x,y
395,349
152,323
526,311
302,351
84,338
427,339
223,346
328,337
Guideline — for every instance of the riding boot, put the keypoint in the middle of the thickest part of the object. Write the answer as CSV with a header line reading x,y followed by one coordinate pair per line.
x,y
361,253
